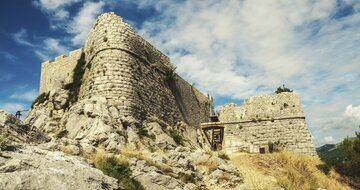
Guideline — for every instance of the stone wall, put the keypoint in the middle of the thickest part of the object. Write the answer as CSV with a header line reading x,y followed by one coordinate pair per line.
x,y
130,72
55,74
263,119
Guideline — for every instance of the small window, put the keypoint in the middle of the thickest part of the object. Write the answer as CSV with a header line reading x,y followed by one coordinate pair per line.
x,y
262,150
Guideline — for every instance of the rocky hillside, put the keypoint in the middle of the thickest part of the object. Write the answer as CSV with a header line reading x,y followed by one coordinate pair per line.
x,y
149,154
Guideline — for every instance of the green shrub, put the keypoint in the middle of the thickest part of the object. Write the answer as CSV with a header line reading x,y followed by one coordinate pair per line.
x,y
40,99
283,89
224,156
142,132
276,146
170,74
118,169
324,168
62,134
187,178
177,137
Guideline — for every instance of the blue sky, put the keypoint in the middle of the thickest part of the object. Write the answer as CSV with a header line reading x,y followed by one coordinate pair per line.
x,y
232,49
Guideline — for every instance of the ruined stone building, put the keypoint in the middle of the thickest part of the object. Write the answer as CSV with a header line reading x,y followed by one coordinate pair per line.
x,y
263,121
138,81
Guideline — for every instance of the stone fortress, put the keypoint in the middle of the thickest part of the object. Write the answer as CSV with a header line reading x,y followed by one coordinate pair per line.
x,y
129,72
137,80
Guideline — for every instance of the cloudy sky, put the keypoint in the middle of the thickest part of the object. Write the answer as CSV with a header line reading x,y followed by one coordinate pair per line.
x,y
232,49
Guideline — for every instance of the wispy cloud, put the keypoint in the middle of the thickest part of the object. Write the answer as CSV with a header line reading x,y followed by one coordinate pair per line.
x,y
21,36
49,47
83,21
8,56
56,8
12,107
26,95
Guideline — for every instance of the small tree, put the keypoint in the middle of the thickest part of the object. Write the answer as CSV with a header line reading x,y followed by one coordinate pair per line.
x,y
283,89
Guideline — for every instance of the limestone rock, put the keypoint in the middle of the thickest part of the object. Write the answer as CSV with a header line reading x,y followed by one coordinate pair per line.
x,y
32,168
13,131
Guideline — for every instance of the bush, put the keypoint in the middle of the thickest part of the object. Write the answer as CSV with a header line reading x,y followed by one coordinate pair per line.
x,y
224,156
170,74
187,178
324,168
142,132
177,137
283,89
40,99
62,134
118,169
276,146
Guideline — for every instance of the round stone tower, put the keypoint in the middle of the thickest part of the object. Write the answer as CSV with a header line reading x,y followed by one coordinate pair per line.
x,y
109,70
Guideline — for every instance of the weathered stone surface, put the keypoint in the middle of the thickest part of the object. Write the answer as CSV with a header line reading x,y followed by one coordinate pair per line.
x,y
263,119
13,131
32,168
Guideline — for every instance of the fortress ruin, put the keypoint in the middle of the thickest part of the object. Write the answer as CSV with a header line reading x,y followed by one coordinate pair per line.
x,y
129,72
138,80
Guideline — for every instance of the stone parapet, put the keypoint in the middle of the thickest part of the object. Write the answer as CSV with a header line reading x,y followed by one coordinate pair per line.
x,y
55,74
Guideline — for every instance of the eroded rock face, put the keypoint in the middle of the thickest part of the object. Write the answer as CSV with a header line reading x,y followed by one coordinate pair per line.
x,y
173,156
184,168
32,168
14,131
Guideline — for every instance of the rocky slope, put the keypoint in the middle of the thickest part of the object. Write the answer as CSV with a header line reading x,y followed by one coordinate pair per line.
x,y
30,167
160,156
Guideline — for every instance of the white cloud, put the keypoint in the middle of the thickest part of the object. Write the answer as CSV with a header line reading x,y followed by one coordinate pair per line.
x,y
56,8
83,21
20,38
12,107
353,112
28,95
54,46
49,47
329,139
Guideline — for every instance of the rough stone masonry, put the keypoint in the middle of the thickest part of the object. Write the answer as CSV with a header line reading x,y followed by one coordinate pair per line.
x,y
265,120
119,65
129,72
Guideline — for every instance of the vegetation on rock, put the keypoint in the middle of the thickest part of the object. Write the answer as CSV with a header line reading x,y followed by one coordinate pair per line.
x,y
224,156
177,137
117,168
170,74
282,89
40,99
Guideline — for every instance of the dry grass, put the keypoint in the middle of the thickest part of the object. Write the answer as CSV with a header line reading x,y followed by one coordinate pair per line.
x,y
131,153
284,170
68,150
210,165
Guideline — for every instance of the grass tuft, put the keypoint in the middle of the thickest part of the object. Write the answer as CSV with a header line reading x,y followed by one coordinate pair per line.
x,y
117,168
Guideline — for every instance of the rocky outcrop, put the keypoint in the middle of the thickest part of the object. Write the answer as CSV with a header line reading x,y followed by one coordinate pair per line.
x,y
93,122
32,168
162,156
14,131
184,168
